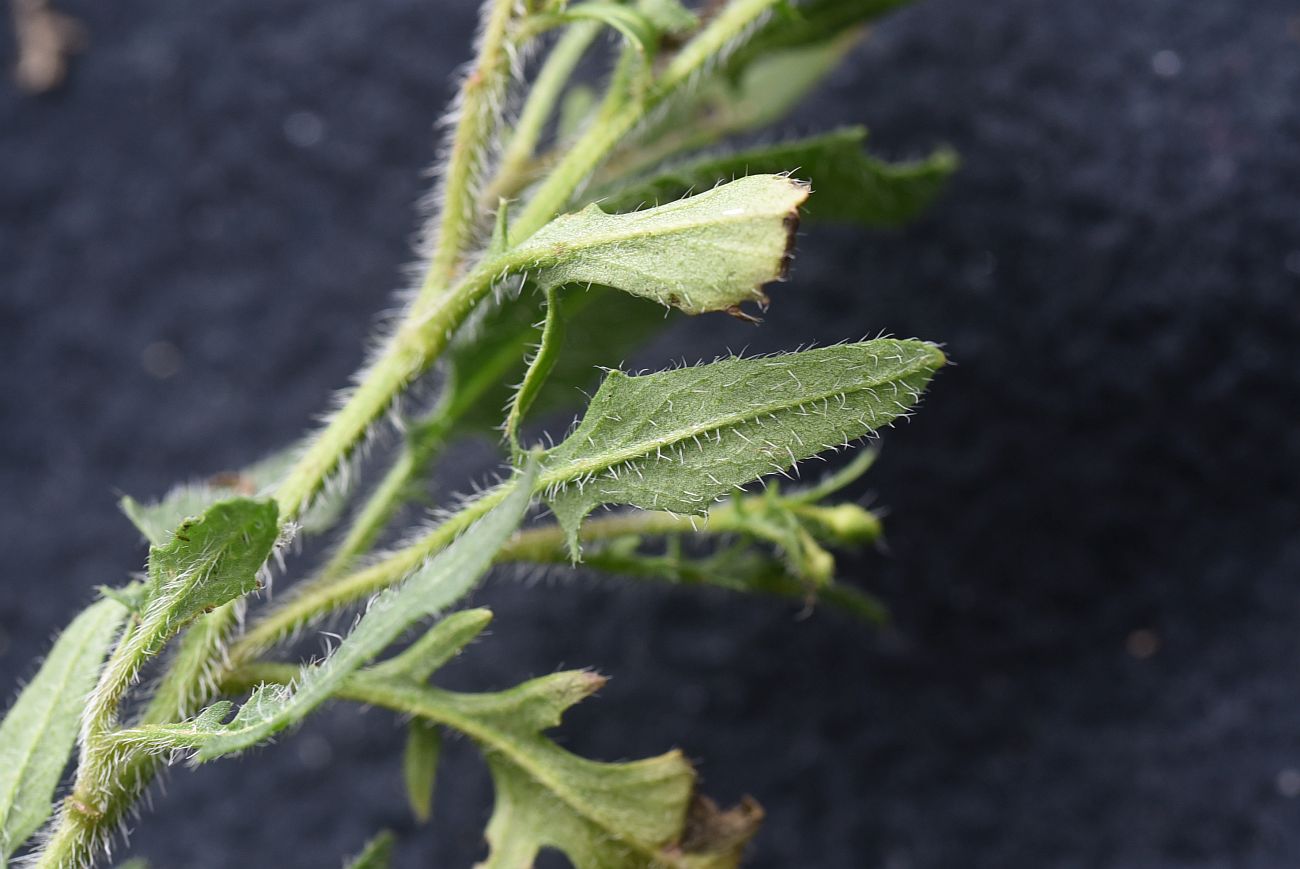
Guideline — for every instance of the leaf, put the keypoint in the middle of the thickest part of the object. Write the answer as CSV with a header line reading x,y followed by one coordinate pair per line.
x,y
378,853
847,184
420,767
438,646
442,581
600,815
39,732
157,520
601,326
813,23
209,561
634,815
705,253
539,369
679,440
639,29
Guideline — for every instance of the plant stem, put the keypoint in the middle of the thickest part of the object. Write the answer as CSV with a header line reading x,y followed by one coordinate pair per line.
x,y
481,98
539,105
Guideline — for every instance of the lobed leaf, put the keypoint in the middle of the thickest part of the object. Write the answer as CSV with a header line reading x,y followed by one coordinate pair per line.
x,y
38,734
600,815
847,184
679,440
705,253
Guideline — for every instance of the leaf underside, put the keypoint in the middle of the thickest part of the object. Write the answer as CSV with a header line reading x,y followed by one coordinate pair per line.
x,y
709,252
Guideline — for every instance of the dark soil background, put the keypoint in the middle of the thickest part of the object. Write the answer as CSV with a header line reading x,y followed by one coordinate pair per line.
x,y
1093,565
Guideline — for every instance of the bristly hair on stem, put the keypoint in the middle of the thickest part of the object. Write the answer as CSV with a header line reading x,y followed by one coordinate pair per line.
x,y
557,241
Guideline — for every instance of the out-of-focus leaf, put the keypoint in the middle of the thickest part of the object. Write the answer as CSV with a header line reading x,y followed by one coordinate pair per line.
x,y
378,853
38,734
420,766
847,184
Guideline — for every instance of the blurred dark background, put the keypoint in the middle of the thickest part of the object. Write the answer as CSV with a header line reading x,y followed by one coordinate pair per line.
x,y
1092,561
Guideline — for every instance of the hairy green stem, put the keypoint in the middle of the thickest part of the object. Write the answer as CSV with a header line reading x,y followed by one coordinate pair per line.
x,y
539,105
481,98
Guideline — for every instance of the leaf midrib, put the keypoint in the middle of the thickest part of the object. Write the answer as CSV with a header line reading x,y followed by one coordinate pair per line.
x,y
399,695
576,469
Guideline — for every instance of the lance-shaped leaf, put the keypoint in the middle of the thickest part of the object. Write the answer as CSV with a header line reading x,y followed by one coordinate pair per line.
x,y
442,581
679,440
420,766
709,252
847,184
38,733
378,853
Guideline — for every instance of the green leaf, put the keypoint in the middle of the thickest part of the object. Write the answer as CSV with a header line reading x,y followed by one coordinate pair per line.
x,y
600,815
705,253
210,560
439,645
601,326
378,853
157,520
669,16
40,730
639,29
437,585
679,440
420,766
814,23
848,185
539,369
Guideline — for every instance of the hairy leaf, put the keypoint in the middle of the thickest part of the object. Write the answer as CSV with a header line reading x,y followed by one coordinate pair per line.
x,y
679,440
442,581
38,733
705,253
847,184
210,560
157,520
600,815
439,645
420,766
378,853
539,369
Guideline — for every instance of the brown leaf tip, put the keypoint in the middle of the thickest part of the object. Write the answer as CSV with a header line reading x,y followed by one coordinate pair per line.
x,y
710,831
